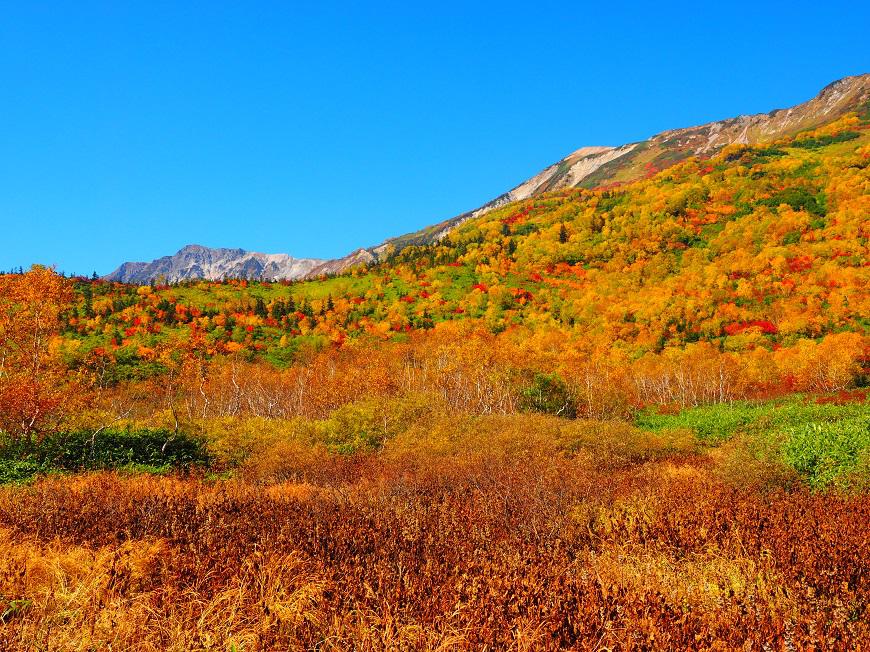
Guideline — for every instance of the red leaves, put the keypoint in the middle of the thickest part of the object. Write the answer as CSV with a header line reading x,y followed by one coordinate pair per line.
x,y
799,263
650,170
766,327
843,397
516,217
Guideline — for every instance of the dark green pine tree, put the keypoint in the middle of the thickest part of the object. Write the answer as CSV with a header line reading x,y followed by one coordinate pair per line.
x,y
88,294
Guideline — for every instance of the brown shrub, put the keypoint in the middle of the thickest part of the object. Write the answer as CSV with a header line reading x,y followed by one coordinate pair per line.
x,y
496,537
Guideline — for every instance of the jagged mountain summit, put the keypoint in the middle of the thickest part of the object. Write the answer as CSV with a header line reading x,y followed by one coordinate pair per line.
x,y
198,262
591,167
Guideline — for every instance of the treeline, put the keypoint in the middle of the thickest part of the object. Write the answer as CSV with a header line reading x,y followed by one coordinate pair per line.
x,y
471,371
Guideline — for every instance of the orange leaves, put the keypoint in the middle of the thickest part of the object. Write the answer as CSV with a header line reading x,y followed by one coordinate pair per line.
x,y
234,347
828,365
146,353
32,384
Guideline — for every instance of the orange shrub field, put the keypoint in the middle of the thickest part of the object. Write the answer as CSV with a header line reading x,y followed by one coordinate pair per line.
x,y
504,539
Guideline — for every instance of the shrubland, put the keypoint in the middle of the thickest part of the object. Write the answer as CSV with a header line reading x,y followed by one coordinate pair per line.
x,y
456,532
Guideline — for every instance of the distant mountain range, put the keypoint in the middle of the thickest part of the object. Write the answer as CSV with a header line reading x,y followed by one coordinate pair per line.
x,y
587,167
195,261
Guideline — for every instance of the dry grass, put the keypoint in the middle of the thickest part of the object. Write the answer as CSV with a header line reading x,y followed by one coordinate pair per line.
x,y
508,535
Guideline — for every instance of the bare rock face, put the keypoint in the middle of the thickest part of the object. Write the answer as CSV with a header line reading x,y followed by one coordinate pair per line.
x,y
356,259
197,262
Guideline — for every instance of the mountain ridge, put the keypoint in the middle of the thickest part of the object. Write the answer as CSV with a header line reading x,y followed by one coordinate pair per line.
x,y
589,167
196,261
615,165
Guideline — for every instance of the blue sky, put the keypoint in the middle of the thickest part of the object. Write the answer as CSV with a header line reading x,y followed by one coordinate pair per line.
x,y
130,129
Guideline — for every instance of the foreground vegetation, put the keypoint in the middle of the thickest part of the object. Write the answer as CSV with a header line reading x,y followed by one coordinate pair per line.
x,y
401,525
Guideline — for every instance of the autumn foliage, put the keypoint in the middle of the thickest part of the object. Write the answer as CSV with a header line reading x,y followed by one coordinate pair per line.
x,y
624,418
34,384
499,542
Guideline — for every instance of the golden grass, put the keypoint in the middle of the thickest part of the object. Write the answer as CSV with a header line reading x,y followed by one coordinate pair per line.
x,y
500,533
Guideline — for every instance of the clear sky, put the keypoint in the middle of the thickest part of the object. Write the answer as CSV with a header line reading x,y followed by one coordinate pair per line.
x,y
129,129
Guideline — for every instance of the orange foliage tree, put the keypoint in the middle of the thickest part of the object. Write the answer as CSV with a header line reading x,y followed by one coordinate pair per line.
x,y
33,395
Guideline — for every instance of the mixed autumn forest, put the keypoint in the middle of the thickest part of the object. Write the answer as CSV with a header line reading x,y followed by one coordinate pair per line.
x,y
631,417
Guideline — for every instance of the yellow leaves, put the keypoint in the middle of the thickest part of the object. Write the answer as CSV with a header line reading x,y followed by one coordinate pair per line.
x,y
744,288
779,265
789,221
379,329
143,290
56,345
825,366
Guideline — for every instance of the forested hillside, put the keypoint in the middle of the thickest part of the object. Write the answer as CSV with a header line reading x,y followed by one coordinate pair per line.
x,y
752,264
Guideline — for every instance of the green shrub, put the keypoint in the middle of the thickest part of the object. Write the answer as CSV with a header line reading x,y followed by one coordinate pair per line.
x,y
367,425
824,453
800,199
17,471
549,394
711,424
107,449
823,444
823,141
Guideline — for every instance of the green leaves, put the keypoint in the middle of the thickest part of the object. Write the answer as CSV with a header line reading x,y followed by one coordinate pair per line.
x,y
800,199
155,450
825,453
548,393
824,141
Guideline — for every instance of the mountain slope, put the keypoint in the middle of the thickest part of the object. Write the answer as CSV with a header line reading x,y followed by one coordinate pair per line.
x,y
759,251
587,167
591,167
195,262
